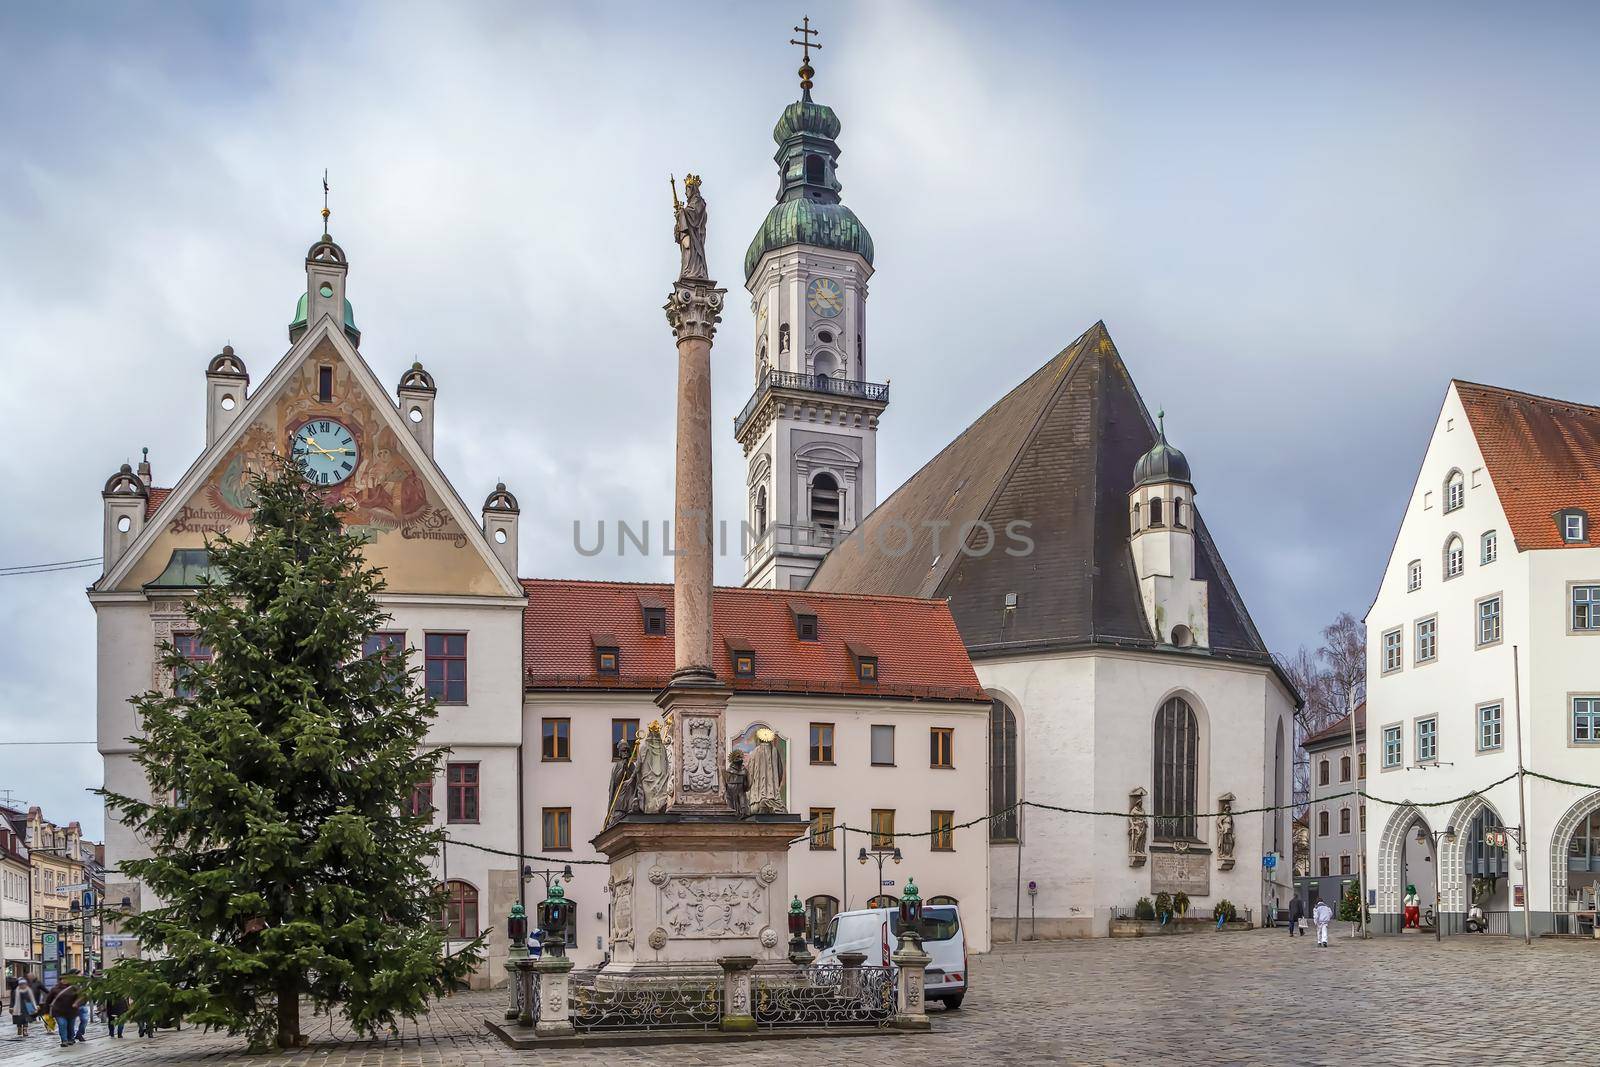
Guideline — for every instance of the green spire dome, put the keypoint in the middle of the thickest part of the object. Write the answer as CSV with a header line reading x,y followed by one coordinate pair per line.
x,y
1163,463
808,211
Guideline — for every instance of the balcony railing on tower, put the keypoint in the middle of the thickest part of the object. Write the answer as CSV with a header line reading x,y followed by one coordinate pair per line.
x,y
876,392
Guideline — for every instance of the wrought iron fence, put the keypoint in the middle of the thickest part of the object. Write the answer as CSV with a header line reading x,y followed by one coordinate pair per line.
x,y
666,1003
826,996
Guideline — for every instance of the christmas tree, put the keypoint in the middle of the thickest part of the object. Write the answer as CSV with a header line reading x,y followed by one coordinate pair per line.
x,y
286,862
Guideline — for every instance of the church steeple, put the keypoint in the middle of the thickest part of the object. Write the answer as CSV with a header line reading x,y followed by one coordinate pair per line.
x,y
809,433
326,270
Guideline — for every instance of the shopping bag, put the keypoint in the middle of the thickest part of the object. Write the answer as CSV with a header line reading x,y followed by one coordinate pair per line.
x,y
1304,926
50,1023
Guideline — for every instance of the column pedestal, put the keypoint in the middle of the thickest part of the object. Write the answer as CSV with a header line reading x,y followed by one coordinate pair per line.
x,y
912,1013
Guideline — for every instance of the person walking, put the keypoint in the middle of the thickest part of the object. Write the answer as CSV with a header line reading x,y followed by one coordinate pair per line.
x,y
114,1008
1297,914
146,1029
1322,915
64,1008
24,1006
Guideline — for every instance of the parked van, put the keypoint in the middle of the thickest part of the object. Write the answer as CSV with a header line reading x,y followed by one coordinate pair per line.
x,y
876,933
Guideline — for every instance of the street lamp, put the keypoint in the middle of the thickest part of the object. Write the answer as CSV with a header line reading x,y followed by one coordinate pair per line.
x,y
553,895
880,855
1426,836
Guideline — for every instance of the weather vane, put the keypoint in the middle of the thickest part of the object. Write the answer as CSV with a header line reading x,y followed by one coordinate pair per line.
x,y
325,211
806,45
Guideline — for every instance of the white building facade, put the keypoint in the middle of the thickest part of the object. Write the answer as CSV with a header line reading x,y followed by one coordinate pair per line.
x,y
16,908
1483,648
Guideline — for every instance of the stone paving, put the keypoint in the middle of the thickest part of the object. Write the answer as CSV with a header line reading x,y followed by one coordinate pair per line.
x,y
1258,997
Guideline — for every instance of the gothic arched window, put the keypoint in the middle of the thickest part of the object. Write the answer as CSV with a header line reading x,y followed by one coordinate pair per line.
x,y
1177,512
825,501
1455,559
1177,746
1155,511
1003,772
1455,491
761,511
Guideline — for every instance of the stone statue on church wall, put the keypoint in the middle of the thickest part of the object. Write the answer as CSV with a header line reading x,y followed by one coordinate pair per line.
x,y
1138,828
620,789
653,773
765,768
735,783
689,229
1225,835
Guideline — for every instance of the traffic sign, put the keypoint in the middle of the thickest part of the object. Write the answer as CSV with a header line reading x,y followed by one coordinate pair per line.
x,y
887,883
78,888
1270,860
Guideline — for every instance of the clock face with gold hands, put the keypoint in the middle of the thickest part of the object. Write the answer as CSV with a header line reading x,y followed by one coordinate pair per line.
x,y
327,451
824,297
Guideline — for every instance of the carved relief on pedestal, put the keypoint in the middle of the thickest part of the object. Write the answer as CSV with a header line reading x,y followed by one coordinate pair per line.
x,y
712,906
769,936
768,874
700,754
658,939
657,876
622,911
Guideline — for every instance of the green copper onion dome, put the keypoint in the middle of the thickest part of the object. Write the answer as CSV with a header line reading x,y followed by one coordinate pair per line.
x,y
808,211
1162,463
300,314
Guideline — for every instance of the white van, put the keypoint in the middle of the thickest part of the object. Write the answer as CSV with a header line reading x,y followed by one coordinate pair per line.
x,y
875,932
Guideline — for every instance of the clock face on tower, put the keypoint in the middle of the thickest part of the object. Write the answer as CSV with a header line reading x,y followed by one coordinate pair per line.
x,y
327,451
824,297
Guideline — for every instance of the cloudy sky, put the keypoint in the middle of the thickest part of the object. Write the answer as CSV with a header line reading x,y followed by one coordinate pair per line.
x,y
1298,224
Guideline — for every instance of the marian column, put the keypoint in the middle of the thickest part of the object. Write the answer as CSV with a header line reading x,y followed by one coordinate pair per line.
x,y
695,700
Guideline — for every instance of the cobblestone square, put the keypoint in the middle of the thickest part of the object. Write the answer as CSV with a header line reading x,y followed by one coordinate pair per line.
x,y
1258,997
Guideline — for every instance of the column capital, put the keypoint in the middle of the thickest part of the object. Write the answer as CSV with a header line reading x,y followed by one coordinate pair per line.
x,y
694,308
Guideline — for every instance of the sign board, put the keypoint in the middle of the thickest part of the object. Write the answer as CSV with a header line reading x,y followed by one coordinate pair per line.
x,y
887,883
120,940
61,950
47,944
78,888
1516,896
1372,898
50,975
1185,872
1270,860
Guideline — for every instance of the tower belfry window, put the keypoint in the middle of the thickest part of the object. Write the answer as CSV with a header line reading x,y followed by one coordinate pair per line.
x,y
825,501
1155,511
325,384
815,170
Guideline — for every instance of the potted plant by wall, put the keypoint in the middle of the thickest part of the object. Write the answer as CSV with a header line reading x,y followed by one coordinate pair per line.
x,y
1144,910
1224,912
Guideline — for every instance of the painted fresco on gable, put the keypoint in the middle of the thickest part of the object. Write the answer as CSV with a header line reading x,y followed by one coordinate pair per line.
x,y
410,531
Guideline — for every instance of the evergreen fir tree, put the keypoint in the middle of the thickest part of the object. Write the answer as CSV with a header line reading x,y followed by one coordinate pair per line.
x,y
285,860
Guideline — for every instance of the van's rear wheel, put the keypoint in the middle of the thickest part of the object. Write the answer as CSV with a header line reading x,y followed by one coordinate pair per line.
x,y
953,1002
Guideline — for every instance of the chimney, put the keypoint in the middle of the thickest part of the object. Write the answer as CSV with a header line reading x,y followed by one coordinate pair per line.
x,y
416,393
227,383
500,514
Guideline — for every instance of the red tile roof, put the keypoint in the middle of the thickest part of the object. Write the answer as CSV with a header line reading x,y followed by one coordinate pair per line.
x,y
1339,731
1543,455
920,654
153,501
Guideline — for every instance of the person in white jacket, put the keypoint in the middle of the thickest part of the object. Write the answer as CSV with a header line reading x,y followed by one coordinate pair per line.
x,y
1322,915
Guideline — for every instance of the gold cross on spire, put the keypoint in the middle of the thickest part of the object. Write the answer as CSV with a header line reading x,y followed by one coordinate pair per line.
x,y
325,211
806,45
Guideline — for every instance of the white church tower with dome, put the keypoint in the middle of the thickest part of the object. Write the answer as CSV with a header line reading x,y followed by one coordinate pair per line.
x,y
809,431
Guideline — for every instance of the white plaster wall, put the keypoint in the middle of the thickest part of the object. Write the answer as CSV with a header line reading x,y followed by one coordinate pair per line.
x,y
852,786
1086,738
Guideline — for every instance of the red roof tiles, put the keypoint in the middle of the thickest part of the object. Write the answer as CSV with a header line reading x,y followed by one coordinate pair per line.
x,y
153,501
1543,455
1338,731
920,654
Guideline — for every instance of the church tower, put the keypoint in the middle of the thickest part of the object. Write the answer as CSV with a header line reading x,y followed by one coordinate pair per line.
x,y
809,431
1161,532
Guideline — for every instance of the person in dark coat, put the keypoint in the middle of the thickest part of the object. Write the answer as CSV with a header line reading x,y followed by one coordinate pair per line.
x,y
114,1008
1297,911
64,1007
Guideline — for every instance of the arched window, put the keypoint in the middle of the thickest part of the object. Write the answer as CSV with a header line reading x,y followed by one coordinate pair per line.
x,y
1182,636
944,898
1322,824
1277,792
761,511
1002,771
1135,518
1455,491
1177,745
1454,557
1344,768
820,911
1322,773
825,501
1177,512
815,170
458,917
824,363
884,900
1155,511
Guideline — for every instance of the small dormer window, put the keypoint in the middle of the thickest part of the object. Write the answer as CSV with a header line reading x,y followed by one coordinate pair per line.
x,y
867,668
1574,526
325,384
744,664
805,621
654,613
605,661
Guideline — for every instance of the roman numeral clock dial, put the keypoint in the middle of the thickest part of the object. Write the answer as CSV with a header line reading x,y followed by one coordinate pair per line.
x,y
327,451
824,297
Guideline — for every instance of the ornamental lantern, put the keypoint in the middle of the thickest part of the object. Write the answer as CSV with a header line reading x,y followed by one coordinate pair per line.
x,y
797,917
911,908
553,918
517,926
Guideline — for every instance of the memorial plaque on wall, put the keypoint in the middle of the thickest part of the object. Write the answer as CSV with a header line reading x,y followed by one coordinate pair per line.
x,y
1185,872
